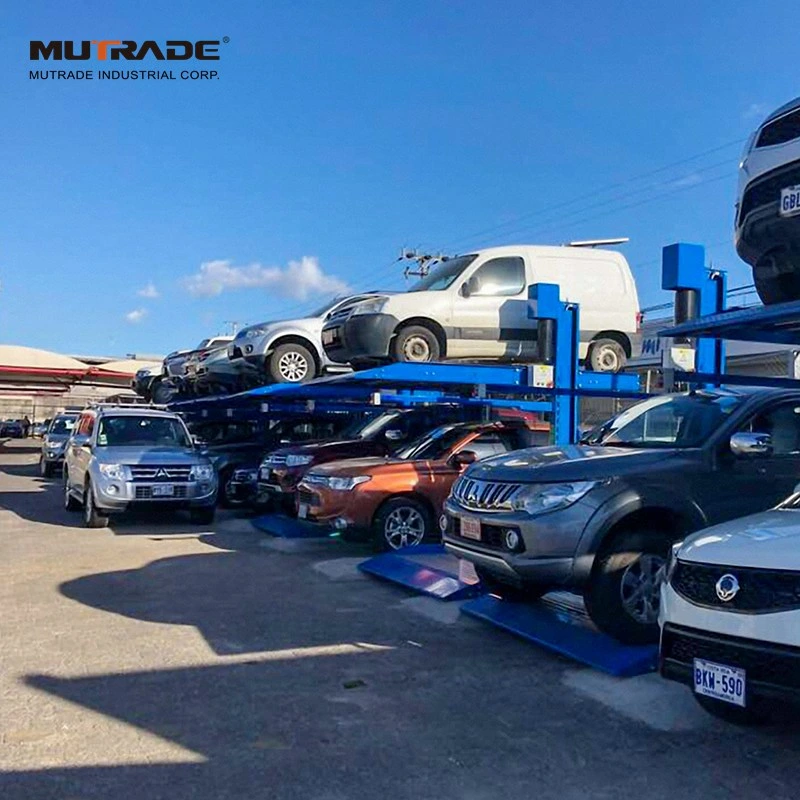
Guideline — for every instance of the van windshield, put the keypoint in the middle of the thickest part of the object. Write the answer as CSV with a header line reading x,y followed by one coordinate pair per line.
x,y
682,420
443,275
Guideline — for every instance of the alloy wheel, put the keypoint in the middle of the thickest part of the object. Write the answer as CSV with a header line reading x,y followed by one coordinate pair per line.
x,y
293,367
404,527
640,588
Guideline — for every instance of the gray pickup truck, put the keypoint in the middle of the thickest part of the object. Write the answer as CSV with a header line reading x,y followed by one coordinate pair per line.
x,y
119,459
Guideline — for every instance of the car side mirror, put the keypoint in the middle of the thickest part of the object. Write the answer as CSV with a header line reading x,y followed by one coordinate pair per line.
x,y
749,445
198,442
394,435
463,459
81,440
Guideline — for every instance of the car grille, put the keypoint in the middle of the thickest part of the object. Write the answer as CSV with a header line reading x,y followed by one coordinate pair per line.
x,y
145,493
761,591
167,474
484,495
305,496
767,188
763,661
781,130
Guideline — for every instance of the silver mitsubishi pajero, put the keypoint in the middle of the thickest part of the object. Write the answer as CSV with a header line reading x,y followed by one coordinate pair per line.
x,y
120,458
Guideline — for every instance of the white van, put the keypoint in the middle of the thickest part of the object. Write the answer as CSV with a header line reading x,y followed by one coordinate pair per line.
x,y
475,306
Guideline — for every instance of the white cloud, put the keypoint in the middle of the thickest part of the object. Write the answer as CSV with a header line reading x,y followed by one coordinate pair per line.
x,y
137,315
150,292
754,110
298,280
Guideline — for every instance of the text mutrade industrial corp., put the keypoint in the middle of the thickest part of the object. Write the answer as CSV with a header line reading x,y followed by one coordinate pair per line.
x,y
123,75
125,50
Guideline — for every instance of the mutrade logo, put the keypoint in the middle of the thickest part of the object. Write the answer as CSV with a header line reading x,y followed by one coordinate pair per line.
x,y
118,49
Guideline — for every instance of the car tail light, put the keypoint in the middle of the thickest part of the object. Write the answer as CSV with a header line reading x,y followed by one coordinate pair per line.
x,y
639,320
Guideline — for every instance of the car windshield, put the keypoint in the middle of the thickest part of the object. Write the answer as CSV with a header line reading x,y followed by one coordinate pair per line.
x,y
62,425
684,420
443,275
366,428
131,431
433,446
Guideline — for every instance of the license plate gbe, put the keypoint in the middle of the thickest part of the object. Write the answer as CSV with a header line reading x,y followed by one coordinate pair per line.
x,y
471,528
790,201
720,682
164,490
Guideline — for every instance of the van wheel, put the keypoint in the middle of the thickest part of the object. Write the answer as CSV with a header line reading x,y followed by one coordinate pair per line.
x,y
607,355
291,363
402,522
416,343
92,518
624,590
516,594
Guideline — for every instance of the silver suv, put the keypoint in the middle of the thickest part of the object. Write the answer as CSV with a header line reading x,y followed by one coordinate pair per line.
x,y
54,443
122,458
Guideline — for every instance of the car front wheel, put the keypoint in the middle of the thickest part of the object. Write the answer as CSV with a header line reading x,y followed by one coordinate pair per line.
x,y
92,518
70,503
624,590
402,522
291,363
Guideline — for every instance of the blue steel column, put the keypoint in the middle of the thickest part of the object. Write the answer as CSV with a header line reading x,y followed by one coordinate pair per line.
x,y
544,303
683,267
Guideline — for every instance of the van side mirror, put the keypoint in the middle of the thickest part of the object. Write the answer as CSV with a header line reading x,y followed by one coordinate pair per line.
x,y
471,286
464,291
749,445
463,459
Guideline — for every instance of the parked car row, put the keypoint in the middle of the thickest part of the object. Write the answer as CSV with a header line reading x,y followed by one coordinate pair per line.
x,y
473,306
671,519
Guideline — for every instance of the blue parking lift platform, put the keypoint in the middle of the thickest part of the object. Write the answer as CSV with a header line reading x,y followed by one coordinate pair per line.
x,y
559,623
288,528
427,569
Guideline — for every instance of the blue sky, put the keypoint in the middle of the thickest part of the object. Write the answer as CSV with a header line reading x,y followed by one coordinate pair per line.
x,y
339,132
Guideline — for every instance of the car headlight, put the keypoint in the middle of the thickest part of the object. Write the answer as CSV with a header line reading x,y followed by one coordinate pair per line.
x,y
116,472
251,333
298,461
672,560
544,498
346,484
202,472
370,306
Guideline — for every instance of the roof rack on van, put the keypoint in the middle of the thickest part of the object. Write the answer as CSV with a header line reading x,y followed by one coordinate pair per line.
x,y
597,242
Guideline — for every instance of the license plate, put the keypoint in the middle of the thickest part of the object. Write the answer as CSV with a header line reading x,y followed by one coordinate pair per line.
x,y
302,510
328,336
471,528
790,201
720,682
164,490
265,473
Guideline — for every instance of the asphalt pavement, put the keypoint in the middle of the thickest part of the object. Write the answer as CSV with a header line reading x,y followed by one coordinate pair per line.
x,y
159,659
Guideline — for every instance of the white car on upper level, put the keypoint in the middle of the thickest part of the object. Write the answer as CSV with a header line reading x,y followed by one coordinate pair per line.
x,y
768,206
475,306
288,350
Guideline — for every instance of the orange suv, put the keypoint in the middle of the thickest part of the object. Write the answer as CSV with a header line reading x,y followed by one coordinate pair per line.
x,y
397,501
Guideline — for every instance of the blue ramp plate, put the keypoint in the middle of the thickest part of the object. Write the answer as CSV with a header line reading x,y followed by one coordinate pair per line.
x,y
559,622
427,569
288,528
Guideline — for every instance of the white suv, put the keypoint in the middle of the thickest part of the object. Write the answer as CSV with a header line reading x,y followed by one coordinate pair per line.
x,y
730,614
475,306
768,207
